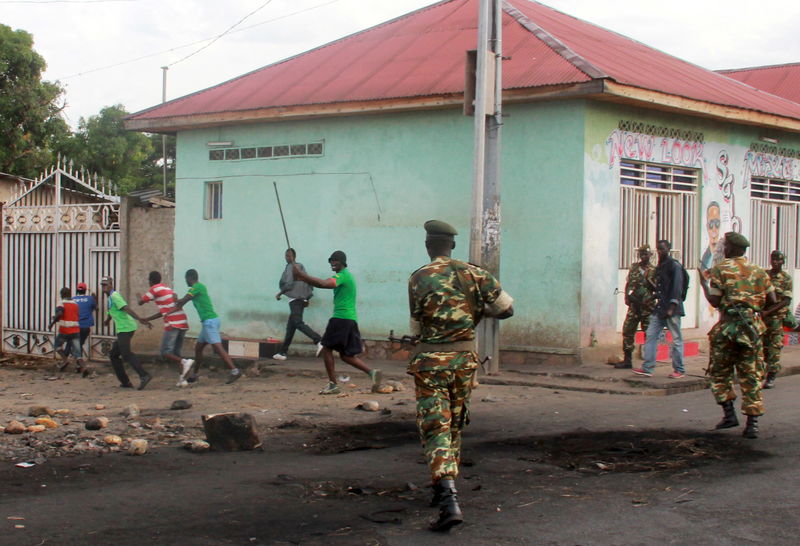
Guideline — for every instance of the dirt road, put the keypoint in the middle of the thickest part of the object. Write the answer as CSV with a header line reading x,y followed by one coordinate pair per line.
x,y
540,467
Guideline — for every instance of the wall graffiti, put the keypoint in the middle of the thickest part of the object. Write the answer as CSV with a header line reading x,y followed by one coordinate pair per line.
x,y
658,149
726,182
766,165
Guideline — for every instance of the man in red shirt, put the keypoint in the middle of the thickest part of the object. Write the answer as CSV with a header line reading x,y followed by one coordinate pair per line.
x,y
175,323
69,331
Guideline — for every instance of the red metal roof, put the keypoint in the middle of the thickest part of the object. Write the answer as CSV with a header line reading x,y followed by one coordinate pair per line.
x,y
422,54
782,80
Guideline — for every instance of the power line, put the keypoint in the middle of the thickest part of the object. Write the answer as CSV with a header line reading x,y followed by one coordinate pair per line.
x,y
170,50
230,28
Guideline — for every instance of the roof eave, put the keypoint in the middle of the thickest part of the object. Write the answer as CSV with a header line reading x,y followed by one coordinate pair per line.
x,y
621,93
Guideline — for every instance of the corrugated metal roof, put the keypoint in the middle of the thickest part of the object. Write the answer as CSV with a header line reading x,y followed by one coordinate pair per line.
x,y
422,54
782,79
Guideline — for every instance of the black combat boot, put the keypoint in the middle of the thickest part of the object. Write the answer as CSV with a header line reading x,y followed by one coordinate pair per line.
x,y
437,495
627,362
729,417
751,428
770,382
449,511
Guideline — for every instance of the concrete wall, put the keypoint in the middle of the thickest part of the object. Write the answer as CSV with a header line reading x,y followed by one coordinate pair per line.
x,y
380,179
147,245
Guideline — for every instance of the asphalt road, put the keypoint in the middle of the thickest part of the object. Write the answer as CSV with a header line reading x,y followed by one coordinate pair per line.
x,y
540,467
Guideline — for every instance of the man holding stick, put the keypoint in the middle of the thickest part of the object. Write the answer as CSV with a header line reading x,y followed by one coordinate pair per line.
x,y
342,332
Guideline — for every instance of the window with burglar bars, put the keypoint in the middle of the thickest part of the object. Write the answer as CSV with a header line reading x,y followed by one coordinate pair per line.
x,y
213,205
658,202
774,210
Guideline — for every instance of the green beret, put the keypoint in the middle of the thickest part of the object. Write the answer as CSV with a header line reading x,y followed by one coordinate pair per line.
x,y
778,254
643,248
737,239
437,228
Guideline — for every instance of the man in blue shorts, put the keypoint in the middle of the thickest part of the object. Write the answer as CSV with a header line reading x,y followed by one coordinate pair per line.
x,y
209,334
342,333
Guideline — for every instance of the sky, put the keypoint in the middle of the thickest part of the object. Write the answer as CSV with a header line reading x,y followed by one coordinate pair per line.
x,y
106,52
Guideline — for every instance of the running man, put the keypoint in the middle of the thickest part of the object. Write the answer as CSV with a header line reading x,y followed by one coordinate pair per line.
x,y
175,324
68,331
87,304
125,324
342,333
209,334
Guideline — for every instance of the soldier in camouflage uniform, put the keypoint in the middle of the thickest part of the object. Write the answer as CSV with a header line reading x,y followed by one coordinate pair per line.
x,y
740,290
640,297
774,316
447,298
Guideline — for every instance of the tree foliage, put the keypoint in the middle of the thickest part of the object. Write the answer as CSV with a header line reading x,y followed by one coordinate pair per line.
x,y
31,126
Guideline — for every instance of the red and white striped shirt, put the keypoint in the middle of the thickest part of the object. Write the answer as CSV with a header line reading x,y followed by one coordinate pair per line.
x,y
165,299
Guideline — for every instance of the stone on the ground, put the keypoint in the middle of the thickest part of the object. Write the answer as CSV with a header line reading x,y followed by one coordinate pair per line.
x,y
131,412
614,359
180,404
384,389
15,427
151,422
37,411
63,411
112,440
396,385
197,446
137,447
36,428
369,405
231,431
96,423
99,406
47,422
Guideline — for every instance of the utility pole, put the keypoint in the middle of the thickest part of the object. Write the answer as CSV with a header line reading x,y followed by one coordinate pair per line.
x,y
484,244
164,137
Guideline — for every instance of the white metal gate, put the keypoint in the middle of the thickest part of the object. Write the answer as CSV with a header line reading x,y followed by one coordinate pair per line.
x,y
61,229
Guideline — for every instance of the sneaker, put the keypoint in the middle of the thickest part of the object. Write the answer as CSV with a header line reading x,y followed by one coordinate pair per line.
x,y
144,381
186,367
279,356
375,376
235,374
676,375
182,384
640,371
332,388
61,366
319,348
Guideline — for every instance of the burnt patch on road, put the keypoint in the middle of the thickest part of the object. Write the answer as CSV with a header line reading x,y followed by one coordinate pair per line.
x,y
381,435
634,451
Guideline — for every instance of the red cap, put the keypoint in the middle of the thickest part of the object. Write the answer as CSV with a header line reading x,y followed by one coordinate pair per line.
x,y
82,286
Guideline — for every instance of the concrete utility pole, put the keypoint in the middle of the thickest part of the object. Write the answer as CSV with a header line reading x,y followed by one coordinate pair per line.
x,y
484,244
164,137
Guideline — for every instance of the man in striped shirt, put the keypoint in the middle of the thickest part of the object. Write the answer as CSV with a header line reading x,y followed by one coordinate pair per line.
x,y
175,323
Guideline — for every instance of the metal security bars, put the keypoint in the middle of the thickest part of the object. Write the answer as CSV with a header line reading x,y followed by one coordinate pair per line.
x,y
213,206
658,202
774,189
774,227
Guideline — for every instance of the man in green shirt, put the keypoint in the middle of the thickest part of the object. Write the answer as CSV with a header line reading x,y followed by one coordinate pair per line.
x,y
209,334
342,332
125,324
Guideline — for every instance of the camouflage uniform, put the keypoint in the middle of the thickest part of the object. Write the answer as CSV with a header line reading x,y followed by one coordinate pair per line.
x,y
442,315
642,298
735,341
773,337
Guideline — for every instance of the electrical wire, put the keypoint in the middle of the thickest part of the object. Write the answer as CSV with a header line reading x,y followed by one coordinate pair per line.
x,y
176,48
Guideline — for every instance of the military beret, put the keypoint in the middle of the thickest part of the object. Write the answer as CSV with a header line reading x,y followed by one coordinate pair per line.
x,y
437,228
778,254
737,239
643,248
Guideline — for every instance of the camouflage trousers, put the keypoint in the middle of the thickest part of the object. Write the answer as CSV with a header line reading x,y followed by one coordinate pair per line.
x,y
727,358
633,318
773,343
442,413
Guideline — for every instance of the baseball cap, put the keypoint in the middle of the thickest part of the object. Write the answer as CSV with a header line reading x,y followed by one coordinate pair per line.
x,y
81,286
106,280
